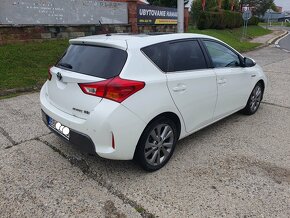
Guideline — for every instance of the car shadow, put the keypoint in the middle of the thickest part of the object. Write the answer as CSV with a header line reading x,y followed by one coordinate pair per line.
x,y
105,166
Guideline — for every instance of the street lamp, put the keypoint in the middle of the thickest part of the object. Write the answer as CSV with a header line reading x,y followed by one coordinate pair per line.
x,y
269,17
180,16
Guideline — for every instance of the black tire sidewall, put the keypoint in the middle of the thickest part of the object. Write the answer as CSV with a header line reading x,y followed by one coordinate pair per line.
x,y
247,110
140,154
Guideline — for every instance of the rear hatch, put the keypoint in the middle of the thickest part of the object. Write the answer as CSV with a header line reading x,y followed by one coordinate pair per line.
x,y
82,63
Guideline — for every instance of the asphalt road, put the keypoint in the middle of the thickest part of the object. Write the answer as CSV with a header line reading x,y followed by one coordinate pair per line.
x,y
285,42
238,167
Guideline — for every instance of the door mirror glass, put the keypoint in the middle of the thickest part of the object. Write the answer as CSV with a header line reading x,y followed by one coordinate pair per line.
x,y
248,62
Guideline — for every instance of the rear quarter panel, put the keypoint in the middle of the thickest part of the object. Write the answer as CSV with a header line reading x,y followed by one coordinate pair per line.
x,y
154,98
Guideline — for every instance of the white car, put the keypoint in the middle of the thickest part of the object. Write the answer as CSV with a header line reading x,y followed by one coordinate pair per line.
x,y
134,96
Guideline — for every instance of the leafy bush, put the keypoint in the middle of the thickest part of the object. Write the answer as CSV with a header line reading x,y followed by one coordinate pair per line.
x,y
254,21
219,20
196,9
202,22
226,5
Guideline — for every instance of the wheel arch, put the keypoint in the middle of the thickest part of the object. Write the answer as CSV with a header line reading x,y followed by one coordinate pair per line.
x,y
262,82
172,116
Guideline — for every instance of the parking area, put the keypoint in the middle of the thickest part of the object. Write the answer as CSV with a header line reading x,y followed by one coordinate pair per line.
x,y
238,167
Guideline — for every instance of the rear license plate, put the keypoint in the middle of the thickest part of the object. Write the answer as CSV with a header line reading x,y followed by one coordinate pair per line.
x,y
58,127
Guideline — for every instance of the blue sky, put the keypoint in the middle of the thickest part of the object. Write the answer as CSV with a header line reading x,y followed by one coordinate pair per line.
x,y
283,3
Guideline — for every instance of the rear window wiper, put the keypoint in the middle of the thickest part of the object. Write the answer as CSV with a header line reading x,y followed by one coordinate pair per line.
x,y
66,65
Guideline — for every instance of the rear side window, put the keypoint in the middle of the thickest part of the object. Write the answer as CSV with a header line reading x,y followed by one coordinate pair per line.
x,y
185,55
156,54
103,62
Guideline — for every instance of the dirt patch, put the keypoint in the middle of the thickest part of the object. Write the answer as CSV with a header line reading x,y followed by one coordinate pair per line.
x,y
111,211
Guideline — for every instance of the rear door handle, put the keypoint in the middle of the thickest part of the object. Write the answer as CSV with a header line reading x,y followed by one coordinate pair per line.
x,y
179,88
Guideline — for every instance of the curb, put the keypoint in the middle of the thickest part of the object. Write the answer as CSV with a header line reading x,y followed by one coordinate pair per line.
x,y
20,90
273,40
270,41
279,39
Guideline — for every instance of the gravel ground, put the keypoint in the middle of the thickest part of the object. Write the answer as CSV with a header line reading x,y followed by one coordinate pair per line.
x,y
238,167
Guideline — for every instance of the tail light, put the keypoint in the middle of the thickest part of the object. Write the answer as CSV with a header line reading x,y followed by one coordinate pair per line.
x,y
115,89
49,74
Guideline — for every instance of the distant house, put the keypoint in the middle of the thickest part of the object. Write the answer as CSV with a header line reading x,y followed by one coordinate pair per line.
x,y
279,9
286,18
273,16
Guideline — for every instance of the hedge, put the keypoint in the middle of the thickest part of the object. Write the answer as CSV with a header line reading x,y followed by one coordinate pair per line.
x,y
219,20
254,21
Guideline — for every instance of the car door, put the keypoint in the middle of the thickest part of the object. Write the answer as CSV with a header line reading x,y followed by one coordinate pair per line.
x,y
191,83
232,79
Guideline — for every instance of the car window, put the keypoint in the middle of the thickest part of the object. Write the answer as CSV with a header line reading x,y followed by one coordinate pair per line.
x,y
185,55
156,54
102,62
222,56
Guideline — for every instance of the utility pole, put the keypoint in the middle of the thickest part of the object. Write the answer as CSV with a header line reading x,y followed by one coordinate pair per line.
x,y
180,16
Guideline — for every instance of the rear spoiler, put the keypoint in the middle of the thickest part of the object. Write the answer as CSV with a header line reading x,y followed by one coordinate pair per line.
x,y
120,44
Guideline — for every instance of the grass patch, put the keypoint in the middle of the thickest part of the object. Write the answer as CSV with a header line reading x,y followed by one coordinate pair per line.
x,y
26,65
140,209
10,96
233,36
272,23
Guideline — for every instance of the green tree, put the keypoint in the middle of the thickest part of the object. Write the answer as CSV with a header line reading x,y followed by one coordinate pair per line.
x,y
227,5
165,3
274,7
168,3
196,9
259,7
153,2
210,5
237,5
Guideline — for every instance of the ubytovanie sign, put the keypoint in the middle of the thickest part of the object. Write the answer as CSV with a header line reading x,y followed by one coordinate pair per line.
x,y
147,14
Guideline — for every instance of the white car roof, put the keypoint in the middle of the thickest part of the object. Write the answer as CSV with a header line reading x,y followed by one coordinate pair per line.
x,y
125,41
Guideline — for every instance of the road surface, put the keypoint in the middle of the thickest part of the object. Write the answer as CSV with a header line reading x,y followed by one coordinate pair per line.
x,y
285,43
238,167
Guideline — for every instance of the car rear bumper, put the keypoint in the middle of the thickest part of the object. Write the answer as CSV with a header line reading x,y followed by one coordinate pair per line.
x,y
81,141
109,122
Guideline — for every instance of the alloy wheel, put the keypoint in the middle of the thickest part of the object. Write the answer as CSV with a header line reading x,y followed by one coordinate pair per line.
x,y
256,98
159,144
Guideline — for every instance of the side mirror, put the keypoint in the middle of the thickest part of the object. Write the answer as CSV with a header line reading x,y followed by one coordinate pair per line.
x,y
248,62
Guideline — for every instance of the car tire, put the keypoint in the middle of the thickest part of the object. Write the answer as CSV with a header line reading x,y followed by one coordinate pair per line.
x,y
254,100
156,144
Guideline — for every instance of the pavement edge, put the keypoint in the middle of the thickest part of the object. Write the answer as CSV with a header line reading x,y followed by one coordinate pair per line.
x,y
276,38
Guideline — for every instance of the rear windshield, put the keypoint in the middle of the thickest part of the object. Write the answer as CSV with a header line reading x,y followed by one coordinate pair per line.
x,y
103,62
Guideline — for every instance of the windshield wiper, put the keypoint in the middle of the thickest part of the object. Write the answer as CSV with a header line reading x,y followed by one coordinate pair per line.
x,y
66,65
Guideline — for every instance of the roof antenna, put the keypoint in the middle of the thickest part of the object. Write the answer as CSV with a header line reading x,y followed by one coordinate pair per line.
x,y
107,34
